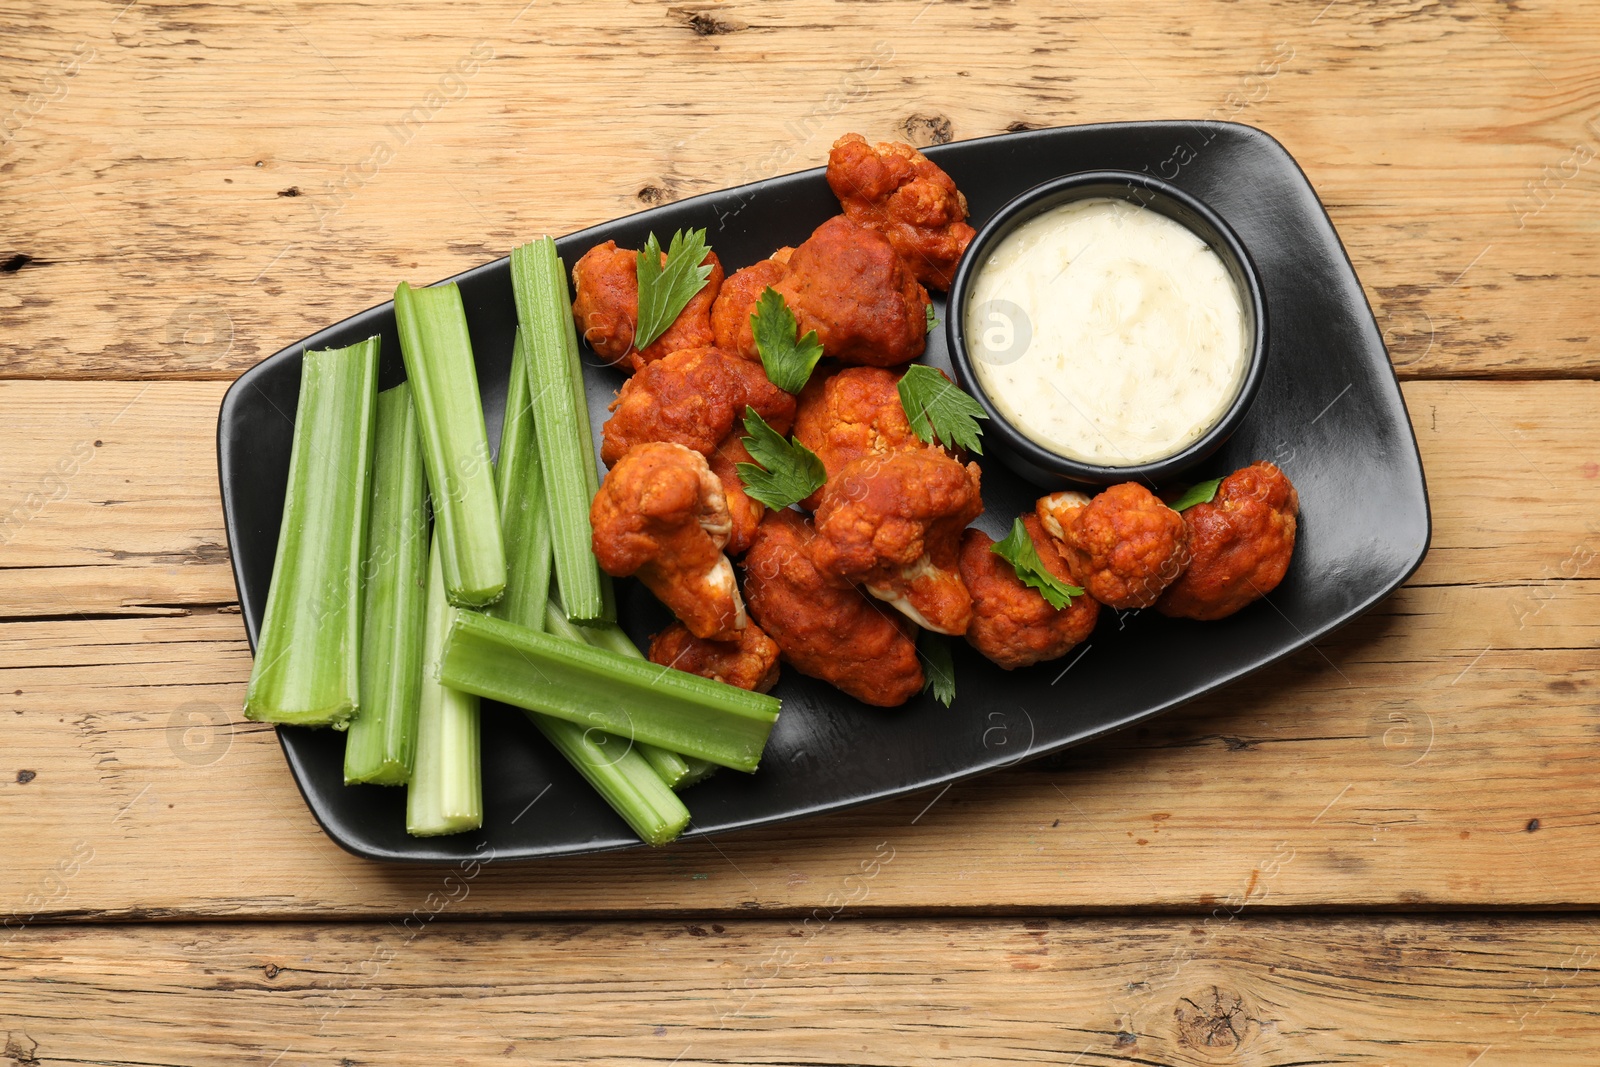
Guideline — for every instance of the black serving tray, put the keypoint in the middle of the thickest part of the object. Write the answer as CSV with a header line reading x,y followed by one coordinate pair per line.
x,y
1329,412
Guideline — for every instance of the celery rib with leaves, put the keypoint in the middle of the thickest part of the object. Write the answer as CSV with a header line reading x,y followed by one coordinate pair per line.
x,y
438,357
307,664
561,421
383,737
674,710
445,795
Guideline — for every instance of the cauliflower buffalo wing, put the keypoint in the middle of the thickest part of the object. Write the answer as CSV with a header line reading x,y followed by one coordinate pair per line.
x,y
1242,541
661,514
606,308
850,414
736,302
893,523
744,510
1013,624
694,397
751,662
845,282
825,627
1124,547
894,189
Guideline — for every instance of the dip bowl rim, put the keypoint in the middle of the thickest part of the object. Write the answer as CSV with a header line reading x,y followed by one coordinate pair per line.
x,y
1038,463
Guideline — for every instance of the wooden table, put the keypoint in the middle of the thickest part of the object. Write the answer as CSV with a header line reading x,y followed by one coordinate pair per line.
x,y
1386,850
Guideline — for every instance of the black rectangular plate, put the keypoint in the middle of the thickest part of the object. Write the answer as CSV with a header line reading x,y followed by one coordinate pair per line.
x,y
1329,413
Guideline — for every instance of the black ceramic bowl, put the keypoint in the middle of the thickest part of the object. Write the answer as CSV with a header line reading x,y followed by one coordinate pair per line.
x,y
1026,456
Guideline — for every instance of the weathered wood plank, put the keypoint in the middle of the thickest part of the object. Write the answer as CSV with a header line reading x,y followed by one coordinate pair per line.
x,y
192,186
109,500
1437,753
1180,992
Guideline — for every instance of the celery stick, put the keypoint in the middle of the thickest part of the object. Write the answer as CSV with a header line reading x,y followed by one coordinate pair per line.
x,y
619,772
678,771
669,766
446,792
621,775
699,771
618,779
561,420
383,737
307,665
524,521
455,444
618,694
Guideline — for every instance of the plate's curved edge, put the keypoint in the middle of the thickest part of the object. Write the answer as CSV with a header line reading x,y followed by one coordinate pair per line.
x,y
1415,454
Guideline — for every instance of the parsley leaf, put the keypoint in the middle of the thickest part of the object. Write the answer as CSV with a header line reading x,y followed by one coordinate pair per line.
x,y
1017,549
788,361
793,472
1197,494
937,408
665,289
933,320
939,670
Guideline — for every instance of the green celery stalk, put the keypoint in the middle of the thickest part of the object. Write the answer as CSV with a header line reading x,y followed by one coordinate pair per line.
x,y
620,774
524,522
671,767
307,664
561,420
438,357
618,694
679,771
699,771
446,791
383,738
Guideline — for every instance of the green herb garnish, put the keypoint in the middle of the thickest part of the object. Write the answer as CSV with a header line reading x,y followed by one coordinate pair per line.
x,y
940,673
933,320
787,357
1197,494
792,471
1017,549
665,289
938,409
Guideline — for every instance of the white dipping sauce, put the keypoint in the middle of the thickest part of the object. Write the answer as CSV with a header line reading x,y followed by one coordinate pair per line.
x,y
1107,332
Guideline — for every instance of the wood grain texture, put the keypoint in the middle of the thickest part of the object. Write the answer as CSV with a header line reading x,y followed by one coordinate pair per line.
x,y
1436,754
1174,992
190,186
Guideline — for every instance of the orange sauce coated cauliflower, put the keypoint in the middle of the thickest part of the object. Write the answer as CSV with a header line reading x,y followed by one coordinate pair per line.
x,y
1242,542
1013,624
605,307
661,514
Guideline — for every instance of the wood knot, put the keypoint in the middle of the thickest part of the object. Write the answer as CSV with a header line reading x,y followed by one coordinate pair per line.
x,y
13,263
653,194
24,777
706,24
21,1048
1213,1021
924,130
293,190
